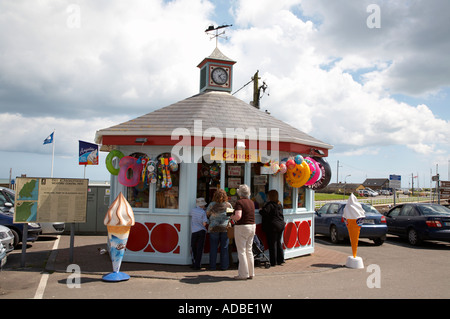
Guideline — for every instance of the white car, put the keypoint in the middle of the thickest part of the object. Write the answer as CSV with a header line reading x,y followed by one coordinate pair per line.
x,y
52,228
6,238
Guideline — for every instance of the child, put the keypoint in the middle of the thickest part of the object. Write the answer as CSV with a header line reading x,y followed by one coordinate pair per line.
x,y
198,229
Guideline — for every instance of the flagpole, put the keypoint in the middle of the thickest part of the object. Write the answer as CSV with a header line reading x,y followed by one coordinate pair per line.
x,y
53,151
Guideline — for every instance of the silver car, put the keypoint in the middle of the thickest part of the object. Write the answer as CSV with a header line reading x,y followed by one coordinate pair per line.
x,y
6,238
3,256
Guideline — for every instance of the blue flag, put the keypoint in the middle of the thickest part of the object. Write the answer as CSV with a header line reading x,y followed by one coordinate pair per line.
x,y
49,139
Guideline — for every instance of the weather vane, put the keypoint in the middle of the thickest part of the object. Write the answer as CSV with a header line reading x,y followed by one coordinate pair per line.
x,y
216,34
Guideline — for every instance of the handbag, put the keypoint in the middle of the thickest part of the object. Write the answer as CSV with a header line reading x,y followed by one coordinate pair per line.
x,y
230,230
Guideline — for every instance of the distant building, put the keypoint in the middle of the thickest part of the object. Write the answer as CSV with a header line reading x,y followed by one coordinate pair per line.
x,y
341,188
376,183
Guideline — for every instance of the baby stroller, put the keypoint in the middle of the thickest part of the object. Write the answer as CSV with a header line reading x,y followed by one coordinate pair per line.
x,y
258,252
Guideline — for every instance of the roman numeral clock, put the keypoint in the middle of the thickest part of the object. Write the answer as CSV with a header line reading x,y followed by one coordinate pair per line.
x,y
216,72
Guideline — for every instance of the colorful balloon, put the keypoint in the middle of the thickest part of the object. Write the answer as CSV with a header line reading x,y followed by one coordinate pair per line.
x,y
290,164
298,159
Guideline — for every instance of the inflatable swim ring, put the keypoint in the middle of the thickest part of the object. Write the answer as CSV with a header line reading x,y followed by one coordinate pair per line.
x,y
315,171
109,161
298,176
325,177
130,171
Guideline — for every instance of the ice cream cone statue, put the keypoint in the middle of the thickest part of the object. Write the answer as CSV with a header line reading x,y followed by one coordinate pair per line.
x,y
353,217
118,220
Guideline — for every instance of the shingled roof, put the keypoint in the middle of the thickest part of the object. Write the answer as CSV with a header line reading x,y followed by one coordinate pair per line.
x,y
216,110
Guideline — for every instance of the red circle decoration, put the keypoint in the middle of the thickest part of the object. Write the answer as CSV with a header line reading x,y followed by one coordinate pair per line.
x,y
290,235
304,233
164,238
138,237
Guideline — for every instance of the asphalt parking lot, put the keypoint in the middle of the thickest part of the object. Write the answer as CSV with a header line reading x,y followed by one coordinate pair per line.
x,y
392,270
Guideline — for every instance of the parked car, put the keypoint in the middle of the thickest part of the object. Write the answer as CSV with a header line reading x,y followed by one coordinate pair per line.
x,y
368,193
7,218
372,192
329,221
419,221
7,238
3,256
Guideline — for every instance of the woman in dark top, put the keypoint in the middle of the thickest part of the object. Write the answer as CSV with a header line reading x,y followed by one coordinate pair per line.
x,y
244,231
273,226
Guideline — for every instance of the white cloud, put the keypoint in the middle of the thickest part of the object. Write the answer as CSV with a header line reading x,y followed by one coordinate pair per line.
x,y
129,58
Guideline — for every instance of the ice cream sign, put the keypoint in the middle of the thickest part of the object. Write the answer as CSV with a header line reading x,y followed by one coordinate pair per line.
x,y
354,216
88,153
118,220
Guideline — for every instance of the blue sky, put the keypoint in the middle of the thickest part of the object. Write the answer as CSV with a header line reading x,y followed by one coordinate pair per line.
x,y
379,95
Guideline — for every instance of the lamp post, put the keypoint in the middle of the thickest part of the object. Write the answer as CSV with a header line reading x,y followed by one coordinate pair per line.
x,y
345,183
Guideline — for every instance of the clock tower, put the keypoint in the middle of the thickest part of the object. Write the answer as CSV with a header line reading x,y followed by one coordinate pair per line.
x,y
216,72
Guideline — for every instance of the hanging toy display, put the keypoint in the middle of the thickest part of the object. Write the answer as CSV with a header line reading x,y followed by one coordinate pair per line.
x,y
173,165
169,179
283,167
115,154
152,176
214,171
298,171
315,171
325,175
165,163
274,168
130,172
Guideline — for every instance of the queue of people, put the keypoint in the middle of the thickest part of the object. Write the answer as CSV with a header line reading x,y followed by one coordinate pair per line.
x,y
215,217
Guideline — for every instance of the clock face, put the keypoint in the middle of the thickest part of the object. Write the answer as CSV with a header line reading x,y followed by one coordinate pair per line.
x,y
219,76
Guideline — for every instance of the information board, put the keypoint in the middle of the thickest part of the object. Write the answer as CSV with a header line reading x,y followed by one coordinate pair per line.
x,y
50,200
395,181
445,190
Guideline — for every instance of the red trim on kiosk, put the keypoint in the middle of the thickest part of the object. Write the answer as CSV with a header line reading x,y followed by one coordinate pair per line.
x,y
167,140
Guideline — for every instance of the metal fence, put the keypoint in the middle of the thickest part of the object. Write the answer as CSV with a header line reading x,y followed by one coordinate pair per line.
x,y
375,201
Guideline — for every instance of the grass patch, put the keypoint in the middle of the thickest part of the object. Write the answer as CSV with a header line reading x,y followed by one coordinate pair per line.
x,y
337,197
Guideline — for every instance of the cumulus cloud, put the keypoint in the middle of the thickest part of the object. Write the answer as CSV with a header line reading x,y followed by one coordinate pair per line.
x,y
310,71
86,66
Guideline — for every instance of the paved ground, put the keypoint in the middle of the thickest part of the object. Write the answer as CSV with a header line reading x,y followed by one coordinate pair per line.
x,y
87,254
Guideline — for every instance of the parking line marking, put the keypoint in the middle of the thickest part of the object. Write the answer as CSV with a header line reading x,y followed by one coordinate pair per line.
x,y
43,282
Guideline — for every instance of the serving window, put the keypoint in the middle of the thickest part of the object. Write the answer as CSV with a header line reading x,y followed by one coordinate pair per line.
x,y
259,185
168,182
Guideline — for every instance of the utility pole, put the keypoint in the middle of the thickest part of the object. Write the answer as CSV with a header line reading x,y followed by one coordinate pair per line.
x,y
256,90
337,172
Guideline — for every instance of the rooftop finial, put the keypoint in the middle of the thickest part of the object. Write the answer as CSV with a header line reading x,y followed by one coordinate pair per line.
x,y
216,34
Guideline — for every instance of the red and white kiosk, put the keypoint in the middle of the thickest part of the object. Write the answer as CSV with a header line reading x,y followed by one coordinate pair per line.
x,y
208,141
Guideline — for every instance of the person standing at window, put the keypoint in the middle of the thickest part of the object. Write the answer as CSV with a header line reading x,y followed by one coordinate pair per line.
x,y
198,231
244,231
273,226
218,221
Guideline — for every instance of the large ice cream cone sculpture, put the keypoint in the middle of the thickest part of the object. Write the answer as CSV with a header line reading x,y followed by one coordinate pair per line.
x,y
118,220
353,216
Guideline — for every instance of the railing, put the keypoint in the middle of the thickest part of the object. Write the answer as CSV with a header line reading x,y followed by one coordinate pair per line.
x,y
375,201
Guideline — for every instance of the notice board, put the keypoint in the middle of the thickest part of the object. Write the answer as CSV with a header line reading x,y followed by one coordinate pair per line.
x,y
50,200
